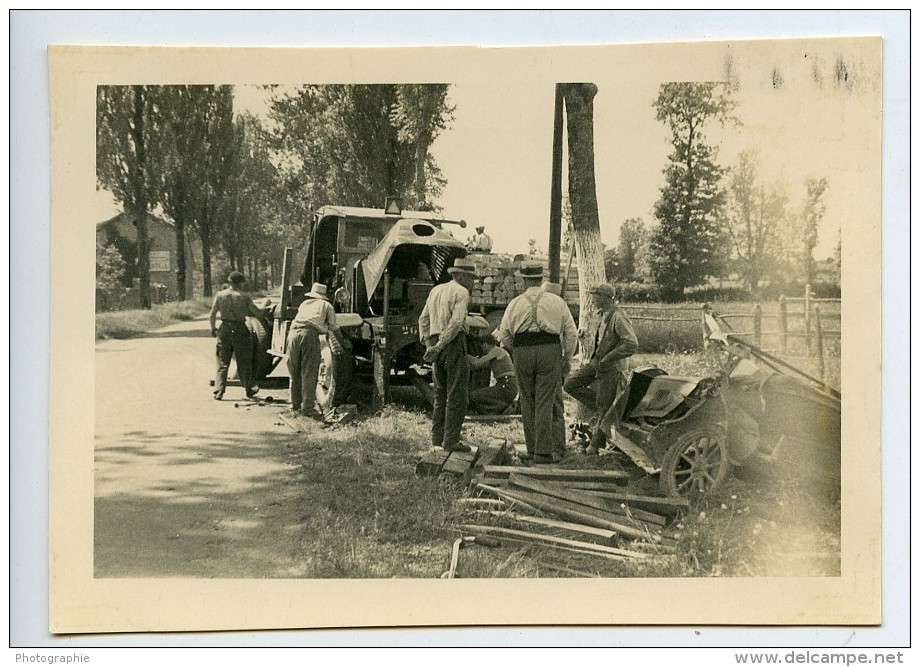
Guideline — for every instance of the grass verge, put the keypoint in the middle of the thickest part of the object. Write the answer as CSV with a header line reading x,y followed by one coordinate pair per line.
x,y
131,323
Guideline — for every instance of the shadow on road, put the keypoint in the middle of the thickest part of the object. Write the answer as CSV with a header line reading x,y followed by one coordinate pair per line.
x,y
180,505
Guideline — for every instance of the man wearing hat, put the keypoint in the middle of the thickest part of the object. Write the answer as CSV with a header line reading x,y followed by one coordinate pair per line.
x,y
233,338
538,326
315,317
480,241
602,379
442,328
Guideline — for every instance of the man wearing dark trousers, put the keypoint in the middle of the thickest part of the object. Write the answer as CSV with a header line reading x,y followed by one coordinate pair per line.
x,y
602,379
233,337
558,403
442,328
538,326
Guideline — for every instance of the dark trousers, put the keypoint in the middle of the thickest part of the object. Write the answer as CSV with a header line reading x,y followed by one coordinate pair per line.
x,y
538,369
303,367
597,392
233,339
451,377
496,399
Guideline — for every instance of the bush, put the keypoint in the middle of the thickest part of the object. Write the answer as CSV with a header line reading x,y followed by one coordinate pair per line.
x,y
638,292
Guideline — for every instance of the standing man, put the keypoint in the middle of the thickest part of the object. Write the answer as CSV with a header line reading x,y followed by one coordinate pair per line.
x,y
599,382
538,326
315,317
442,328
559,402
480,241
233,337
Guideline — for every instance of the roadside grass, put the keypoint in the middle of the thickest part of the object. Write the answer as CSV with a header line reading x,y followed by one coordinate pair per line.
x,y
133,323
367,515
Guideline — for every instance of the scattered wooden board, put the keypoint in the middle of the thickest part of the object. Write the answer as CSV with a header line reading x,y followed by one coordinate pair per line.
x,y
497,531
556,473
583,498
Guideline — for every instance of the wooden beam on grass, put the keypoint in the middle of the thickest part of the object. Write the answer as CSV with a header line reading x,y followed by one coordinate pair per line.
x,y
556,473
601,533
576,513
666,506
538,538
583,498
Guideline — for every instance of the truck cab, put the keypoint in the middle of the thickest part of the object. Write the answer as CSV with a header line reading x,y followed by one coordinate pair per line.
x,y
379,269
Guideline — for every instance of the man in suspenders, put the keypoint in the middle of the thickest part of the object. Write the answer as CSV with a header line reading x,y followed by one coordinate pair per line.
x,y
539,328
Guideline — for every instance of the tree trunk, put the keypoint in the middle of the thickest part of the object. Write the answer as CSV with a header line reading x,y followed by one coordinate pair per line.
x,y
140,198
204,231
421,154
181,262
579,106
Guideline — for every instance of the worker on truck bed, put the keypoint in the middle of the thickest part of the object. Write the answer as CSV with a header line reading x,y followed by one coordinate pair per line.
x,y
315,317
538,326
442,328
480,241
233,337
602,379
499,397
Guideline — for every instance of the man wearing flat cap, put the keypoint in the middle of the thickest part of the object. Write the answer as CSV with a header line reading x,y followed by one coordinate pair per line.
x,y
315,317
538,326
233,337
602,379
442,328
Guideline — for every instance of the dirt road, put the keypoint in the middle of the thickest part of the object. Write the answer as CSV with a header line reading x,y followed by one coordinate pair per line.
x,y
186,486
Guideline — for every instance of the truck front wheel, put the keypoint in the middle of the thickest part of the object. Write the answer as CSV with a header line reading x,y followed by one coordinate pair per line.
x,y
335,375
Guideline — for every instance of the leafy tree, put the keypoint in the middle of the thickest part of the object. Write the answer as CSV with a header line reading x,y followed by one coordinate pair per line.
x,y
688,244
813,211
126,120
755,220
356,144
110,267
631,252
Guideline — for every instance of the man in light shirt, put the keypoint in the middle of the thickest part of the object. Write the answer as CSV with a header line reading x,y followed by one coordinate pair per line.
x,y
442,328
480,241
559,402
539,328
315,317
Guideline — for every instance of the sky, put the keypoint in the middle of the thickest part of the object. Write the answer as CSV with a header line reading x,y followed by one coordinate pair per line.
x,y
496,154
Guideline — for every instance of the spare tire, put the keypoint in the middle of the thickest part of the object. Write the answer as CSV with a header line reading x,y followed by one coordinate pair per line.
x,y
262,361
335,374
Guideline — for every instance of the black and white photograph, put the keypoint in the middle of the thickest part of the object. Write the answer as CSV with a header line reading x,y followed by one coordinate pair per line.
x,y
460,336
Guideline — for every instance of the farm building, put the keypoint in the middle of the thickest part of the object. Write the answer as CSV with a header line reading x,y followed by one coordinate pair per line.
x,y
121,232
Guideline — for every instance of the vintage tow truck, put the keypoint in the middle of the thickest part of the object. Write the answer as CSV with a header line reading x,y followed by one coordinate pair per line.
x,y
379,267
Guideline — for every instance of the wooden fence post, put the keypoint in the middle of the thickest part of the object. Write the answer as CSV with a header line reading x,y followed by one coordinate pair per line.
x,y
820,343
807,319
783,323
758,324
705,328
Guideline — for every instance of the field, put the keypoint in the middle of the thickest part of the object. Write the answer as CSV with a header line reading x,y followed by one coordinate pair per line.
x,y
130,323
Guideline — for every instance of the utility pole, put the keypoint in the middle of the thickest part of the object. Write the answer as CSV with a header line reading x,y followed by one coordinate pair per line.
x,y
555,200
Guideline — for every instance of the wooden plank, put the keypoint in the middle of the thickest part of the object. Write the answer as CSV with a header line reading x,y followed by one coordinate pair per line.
x,y
556,473
481,502
666,506
583,485
515,502
496,531
581,514
493,455
582,498
601,533
431,463
458,463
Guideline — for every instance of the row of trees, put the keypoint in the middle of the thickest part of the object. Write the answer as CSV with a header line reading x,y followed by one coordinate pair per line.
x,y
712,221
247,189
